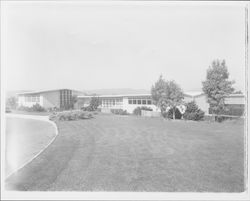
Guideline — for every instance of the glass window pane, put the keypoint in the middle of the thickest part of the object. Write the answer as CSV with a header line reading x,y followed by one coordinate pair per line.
x,y
144,102
139,102
149,102
129,101
134,101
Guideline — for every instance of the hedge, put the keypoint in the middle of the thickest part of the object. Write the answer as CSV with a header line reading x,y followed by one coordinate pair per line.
x,y
137,111
119,111
70,115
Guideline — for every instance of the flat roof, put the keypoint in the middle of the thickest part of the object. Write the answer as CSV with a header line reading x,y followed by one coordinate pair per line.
x,y
42,91
190,94
115,96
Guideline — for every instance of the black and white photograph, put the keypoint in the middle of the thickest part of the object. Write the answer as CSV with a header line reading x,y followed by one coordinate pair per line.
x,y
124,100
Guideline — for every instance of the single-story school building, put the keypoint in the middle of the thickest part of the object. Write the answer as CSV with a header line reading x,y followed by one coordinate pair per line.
x,y
59,98
62,99
129,102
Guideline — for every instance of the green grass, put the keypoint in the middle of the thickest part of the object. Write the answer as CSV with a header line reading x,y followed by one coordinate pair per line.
x,y
127,153
24,139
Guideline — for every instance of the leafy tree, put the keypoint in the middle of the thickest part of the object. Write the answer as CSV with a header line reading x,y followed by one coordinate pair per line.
x,y
217,86
158,93
170,114
94,103
166,94
73,101
12,102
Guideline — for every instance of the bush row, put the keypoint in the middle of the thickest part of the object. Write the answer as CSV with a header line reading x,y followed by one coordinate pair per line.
x,y
137,111
34,108
119,111
70,115
192,113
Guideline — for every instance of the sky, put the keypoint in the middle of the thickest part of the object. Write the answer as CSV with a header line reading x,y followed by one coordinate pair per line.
x,y
85,46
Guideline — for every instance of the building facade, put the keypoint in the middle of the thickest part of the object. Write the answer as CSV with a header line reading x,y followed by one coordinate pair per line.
x,y
235,104
129,102
61,98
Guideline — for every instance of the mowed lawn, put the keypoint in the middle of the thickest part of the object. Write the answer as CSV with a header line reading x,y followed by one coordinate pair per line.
x,y
127,153
24,139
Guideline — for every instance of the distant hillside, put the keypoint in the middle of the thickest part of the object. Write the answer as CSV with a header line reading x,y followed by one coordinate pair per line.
x,y
116,91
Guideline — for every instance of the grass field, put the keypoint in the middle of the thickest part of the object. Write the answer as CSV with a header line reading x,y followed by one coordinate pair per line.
x,y
24,139
127,153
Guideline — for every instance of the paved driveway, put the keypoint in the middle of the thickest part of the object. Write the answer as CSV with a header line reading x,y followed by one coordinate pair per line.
x,y
26,136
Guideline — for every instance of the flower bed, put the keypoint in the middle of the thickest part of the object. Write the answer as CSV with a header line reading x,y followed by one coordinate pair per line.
x,y
70,115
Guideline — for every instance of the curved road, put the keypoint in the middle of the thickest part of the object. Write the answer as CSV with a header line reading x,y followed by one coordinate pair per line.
x,y
26,136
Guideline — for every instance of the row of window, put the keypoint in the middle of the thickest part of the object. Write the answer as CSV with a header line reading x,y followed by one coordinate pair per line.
x,y
139,102
32,99
65,98
108,102
113,102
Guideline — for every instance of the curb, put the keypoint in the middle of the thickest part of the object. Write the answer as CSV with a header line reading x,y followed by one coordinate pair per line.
x,y
44,118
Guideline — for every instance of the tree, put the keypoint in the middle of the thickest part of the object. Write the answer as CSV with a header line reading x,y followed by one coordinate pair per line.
x,y
217,86
158,93
94,103
193,112
166,94
73,101
12,102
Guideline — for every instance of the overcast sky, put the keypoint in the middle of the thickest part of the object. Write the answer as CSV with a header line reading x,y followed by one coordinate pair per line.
x,y
93,46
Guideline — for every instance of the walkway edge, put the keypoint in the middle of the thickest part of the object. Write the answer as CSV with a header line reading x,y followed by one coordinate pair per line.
x,y
43,118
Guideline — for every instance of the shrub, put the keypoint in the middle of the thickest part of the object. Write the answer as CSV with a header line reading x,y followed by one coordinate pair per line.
x,y
37,108
169,114
34,108
119,111
88,108
11,102
193,112
93,105
53,109
137,111
70,115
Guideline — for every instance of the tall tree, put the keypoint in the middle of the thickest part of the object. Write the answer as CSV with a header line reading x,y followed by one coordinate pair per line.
x,y
73,101
217,86
94,103
12,102
158,93
166,94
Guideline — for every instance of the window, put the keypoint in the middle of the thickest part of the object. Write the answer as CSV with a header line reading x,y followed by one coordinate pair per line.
x,y
134,102
130,101
139,102
144,102
33,99
149,102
